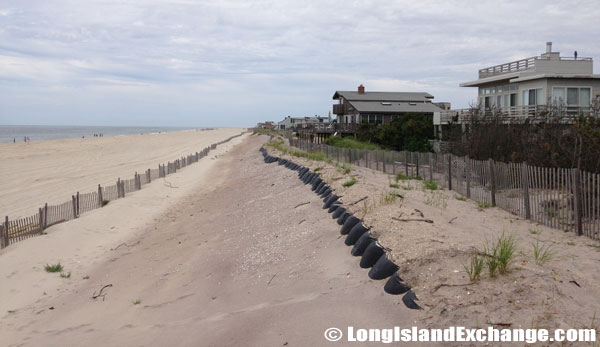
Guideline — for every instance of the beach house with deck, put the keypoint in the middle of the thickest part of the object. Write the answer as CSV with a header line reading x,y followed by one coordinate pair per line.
x,y
545,86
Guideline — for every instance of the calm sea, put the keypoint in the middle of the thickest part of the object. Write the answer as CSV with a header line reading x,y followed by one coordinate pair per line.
x,y
10,133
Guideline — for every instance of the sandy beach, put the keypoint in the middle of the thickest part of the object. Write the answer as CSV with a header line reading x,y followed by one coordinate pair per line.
x,y
220,257
50,172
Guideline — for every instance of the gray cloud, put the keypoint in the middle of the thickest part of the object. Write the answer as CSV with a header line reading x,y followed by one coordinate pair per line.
x,y
236,62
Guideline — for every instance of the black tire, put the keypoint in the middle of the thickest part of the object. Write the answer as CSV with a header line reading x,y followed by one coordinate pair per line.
x,y
338,212
348,225
383,269
371,254
330,200
363,242
313,179
325,193
395,286
318,186
334,207
342,219
322,189
409,299
355,233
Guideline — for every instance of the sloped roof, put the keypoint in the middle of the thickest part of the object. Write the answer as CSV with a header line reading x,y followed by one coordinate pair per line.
x,y
382,96
394,107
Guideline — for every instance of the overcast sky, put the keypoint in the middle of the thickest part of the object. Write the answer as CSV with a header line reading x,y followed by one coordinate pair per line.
x,y
233,63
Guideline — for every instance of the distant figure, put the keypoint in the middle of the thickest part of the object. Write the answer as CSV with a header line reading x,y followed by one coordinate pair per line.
x,y
575,55
24,138
14,140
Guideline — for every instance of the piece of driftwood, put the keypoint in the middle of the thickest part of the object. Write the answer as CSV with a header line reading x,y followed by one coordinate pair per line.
x,y
413,220
452,220
448,285
357,201
302,204
100,293
499,324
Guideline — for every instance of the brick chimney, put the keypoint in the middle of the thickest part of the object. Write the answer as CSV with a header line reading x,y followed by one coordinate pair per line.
x,y
361,89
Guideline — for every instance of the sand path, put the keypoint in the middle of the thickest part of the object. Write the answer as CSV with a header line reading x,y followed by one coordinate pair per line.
x,y
232,262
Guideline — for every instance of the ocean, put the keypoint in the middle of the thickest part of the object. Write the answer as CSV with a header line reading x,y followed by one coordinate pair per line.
x,y
10,133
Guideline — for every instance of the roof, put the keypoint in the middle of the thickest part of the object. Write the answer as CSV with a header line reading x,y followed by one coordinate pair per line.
x,y
394,107
382,96
551,75
490,79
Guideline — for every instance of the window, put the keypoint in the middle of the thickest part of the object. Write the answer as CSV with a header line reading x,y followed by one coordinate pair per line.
x,y
572,96
558,96
499,101
533,97
584,97
506,102
513,99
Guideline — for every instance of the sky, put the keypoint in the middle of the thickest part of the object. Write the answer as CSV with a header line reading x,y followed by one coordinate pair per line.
x,y
232,63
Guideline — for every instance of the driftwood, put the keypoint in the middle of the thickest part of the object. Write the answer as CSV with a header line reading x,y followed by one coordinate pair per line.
x,y
302,204
499,324
448,285
452,220
420,213
413,220
272,278
357,201
101,294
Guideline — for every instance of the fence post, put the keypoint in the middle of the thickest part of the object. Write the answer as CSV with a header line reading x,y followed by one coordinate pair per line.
x,y
468,175
41,223
118,188
449,171
122,189
5,228
417,164
45,215
525,179
149,175
74,206
100,199
383,160
77,204
577,197
492,181
406,163
430,166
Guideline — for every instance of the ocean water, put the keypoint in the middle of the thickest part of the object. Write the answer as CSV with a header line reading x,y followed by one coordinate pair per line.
x,y
10,133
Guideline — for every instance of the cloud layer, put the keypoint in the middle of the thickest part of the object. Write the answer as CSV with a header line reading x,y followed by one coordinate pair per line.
x,y
233,63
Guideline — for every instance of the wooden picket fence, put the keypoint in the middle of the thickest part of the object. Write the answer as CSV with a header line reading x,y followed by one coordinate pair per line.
x,y
12,231
561,198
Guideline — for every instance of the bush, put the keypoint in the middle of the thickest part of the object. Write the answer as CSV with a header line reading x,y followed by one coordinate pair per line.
x,y
349,142
53,268
350,183
474,268
431,185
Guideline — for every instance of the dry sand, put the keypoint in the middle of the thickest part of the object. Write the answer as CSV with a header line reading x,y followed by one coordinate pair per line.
x,y
51,171
562,293
220,257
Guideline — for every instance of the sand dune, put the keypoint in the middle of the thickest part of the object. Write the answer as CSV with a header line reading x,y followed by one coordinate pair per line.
x,y
51,171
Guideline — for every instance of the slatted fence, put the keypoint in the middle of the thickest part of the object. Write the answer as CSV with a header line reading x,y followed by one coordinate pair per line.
x,y
561,198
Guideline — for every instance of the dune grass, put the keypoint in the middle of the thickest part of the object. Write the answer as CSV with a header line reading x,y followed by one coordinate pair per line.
x,y
349,142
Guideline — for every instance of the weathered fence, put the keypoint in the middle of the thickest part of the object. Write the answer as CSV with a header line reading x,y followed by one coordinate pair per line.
x,y
12,231
565,199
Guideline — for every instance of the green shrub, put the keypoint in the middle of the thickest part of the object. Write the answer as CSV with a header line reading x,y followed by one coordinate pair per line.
x,y
350,183
460,198
394,185
402,177
349,142
431,185
53,268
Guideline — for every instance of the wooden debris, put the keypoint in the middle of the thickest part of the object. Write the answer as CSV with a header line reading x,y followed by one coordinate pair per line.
x,y
413,220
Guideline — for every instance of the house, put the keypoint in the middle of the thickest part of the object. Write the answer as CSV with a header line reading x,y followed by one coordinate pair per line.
x,y
356,107
290,122
266,125
548,85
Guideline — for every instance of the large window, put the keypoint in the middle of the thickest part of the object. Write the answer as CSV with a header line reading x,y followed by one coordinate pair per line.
x,y
571,96
533,97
